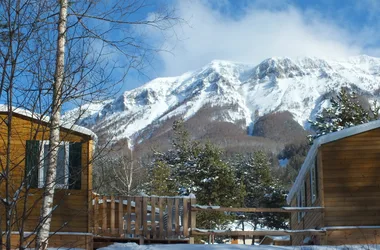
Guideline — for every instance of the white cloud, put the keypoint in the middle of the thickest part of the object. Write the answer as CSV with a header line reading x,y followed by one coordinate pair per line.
x,y
261,33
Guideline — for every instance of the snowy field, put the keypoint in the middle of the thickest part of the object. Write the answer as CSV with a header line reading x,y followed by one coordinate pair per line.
x,y
134,246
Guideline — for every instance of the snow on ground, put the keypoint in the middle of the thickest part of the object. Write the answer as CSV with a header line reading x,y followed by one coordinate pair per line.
x,y
134,246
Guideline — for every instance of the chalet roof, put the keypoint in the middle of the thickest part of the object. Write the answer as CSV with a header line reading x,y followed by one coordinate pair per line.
x,y
309,161
38,117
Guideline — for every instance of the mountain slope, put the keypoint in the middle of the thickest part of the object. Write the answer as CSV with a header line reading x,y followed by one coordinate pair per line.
x,y
234,93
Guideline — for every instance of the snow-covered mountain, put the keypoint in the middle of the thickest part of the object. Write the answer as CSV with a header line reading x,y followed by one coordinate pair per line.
x,y
238,93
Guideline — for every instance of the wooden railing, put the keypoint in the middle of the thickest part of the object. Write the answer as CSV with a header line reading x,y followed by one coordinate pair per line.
x,y
147,217
166,218
196,231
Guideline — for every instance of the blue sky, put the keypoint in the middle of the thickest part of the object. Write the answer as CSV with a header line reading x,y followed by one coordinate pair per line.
x,y
251,31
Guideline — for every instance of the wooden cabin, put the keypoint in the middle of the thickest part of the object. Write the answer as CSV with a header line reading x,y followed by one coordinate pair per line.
x,y
341,174
29,145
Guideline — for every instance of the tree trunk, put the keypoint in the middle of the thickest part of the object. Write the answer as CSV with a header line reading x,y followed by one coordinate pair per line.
x,y
54,140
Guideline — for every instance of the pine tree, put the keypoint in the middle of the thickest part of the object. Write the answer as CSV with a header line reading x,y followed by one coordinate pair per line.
x,y
261,189
345,111
215,184
161,182
199,169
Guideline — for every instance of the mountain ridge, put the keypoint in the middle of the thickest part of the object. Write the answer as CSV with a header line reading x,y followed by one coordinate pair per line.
x,y
238,93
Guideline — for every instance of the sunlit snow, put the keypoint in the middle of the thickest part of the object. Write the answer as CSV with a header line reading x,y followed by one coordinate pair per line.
x,y
300,86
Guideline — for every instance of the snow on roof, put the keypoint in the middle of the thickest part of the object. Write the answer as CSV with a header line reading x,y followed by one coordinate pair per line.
x,y
36,116
309,161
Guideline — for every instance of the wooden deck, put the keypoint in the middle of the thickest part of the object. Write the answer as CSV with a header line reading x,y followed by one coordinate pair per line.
x,y
143,220
166,220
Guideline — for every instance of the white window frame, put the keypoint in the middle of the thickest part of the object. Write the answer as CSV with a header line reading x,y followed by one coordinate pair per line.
x,y
313,184
303,198
41,172
298,201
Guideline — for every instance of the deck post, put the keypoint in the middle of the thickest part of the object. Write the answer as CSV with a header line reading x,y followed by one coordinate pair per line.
x,y
96,219
112,216
144,217
161,219
129,215
121,216
137,215
176,215
186,210
104,214
193,218
141,240
153,216
170,218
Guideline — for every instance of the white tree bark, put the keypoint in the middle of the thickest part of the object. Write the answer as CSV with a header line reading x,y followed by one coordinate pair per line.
x,y
54,140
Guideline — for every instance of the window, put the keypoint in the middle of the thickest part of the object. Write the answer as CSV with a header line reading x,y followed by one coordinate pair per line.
x,y
303,197
301,201
61,180
313,183
299,205
68,165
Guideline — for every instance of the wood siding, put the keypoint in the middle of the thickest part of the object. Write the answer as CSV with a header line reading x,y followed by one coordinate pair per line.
x,y
352,183
349,184
72,213
311,219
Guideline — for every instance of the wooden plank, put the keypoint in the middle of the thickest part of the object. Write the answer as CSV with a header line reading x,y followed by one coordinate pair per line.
x,y
121,216
112,215
129,215
358,146
369,167
195,208
170,217
355,219
176,216
338,195
104,214
351,175
194,232
193,214
348,198
353,208
144,204
138,216
352,184
185,225
364,204
153,216
351,155
96,217
161,218
241,209
356,142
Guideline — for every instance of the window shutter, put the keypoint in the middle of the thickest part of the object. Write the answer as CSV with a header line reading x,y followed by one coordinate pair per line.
x,y
31,163
75,165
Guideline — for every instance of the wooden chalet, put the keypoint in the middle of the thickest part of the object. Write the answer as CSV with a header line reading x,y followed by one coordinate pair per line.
x,y
341,175
71,220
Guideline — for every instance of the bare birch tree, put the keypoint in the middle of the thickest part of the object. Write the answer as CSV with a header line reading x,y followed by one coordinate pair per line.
x,y
119,174
55,123
54,53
